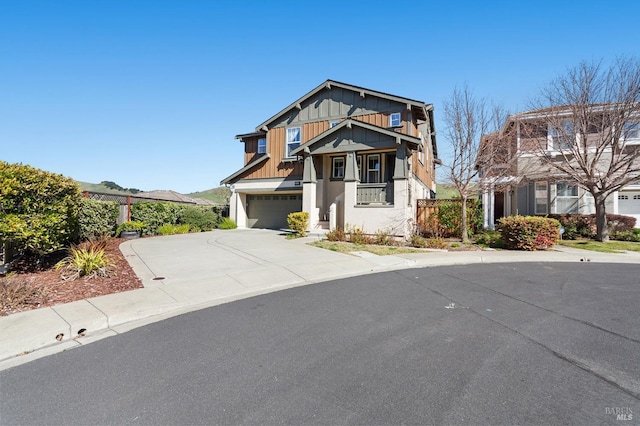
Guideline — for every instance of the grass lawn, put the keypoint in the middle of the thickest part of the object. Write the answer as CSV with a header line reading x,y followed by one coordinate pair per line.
x,y
342,247
609,247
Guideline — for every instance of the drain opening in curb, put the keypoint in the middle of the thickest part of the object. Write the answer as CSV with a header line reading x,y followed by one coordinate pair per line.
x,y
82,332
158,278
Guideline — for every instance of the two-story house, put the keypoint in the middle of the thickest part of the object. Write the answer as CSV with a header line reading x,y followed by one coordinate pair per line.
x,y
347,155
520,179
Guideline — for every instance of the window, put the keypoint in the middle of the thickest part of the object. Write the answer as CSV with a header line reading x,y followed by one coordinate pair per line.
x,y
395,120
623,197
631,131
359,163
562,137
421,148
293,139
262,145
337,168
541,198
333,124
566,198
373,168
636,197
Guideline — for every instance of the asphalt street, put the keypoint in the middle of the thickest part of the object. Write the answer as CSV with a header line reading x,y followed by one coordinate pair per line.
x,y
518,343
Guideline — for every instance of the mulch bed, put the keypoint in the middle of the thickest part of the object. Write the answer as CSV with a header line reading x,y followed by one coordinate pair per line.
x,y
36,284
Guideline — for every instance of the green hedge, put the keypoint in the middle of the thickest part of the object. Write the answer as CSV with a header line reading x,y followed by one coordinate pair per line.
x,y
529,232
38,209
97,219
199,218
154,215
584,225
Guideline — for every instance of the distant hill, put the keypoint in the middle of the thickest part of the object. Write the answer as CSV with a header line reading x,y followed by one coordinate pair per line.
x,y
106,188
447,191
218,195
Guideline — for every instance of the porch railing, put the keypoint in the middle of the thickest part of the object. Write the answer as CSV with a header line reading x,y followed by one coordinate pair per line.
x,y
375,193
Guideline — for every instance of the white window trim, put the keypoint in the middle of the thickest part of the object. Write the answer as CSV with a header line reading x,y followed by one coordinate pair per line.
x,y
264,147
378,170
391,116
536,198
633,139
576,197
552,132
334,160
288,142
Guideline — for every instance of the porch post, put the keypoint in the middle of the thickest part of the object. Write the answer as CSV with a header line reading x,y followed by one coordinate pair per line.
x,y
400,167
351,179
309,182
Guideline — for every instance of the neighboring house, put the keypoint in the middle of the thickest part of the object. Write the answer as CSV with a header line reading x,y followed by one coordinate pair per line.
x,y
515,181
347,155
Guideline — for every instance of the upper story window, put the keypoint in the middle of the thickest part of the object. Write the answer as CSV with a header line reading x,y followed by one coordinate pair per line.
x,y
395,120
262,145
421,149
337,168
294,136
562,137
631,130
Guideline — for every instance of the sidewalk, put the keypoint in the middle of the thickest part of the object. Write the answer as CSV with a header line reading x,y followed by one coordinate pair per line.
x,y
184,273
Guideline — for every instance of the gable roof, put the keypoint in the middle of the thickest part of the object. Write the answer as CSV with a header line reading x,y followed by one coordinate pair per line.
x,y
249,166
350,123
418,107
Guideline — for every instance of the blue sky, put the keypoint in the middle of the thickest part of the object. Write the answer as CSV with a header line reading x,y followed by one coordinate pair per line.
x,y
150,94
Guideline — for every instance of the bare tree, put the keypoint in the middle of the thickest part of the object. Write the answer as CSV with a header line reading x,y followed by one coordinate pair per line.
x,y
467,120
592,114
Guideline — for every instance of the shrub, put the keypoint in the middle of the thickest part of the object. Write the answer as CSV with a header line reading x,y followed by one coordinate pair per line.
x,y
584,225
489,238
154,215
227,223
168,229
529,232
436,243
130,226
337,234
97,219
418,241
202,218
88,261
39,209
632,235
357,236
384,239
299,222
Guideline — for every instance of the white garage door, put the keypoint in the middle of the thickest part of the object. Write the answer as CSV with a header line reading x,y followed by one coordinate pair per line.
x,y
271,210
629,202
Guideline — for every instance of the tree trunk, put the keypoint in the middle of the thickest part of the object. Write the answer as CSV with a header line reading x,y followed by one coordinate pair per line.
x,y
463,226
602,232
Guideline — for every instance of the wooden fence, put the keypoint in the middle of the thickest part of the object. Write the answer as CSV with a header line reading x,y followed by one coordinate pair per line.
x,y
429,220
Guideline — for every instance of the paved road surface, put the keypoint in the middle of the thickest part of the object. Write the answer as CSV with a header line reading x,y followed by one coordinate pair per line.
x,y
535,343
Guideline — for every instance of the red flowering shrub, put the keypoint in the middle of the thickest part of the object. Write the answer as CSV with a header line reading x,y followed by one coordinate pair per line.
x,y
529,232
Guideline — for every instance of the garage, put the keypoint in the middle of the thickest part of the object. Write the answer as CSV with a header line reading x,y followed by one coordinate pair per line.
x,y
271,210
629,204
